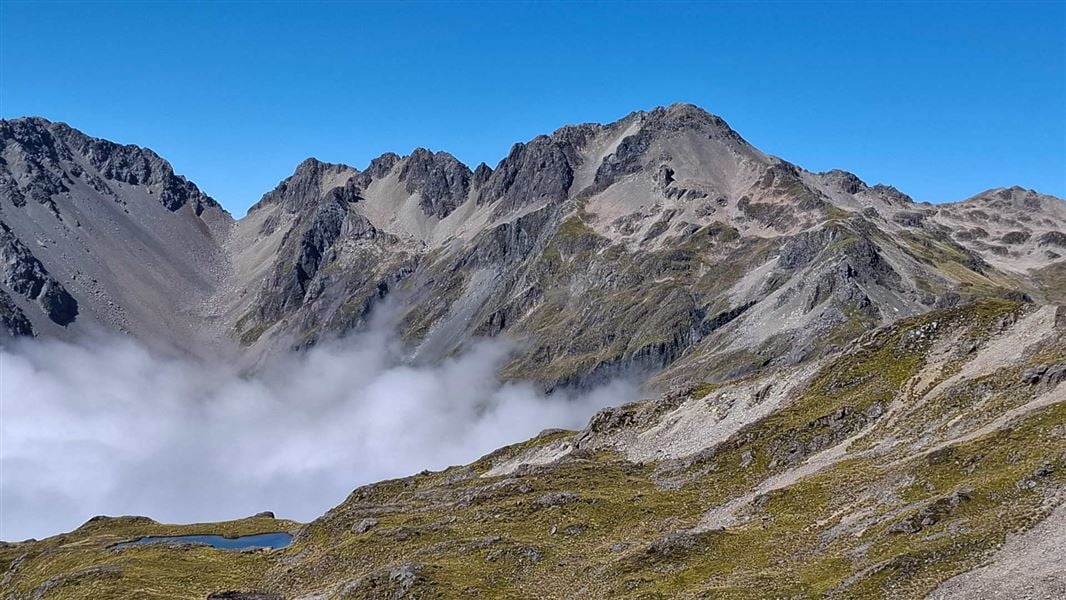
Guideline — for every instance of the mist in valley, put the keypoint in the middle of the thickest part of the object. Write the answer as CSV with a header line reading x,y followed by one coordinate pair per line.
x,y
105,426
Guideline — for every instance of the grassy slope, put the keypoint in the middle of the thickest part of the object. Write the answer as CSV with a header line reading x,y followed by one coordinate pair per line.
x,y
893,523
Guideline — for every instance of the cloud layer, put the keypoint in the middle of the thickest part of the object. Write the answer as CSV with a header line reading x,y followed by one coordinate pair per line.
x,y
107,427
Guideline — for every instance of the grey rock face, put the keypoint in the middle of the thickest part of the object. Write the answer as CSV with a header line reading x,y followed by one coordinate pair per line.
x,y
395,582
891,195
909,218
660,239
30,149
304,188
625,160
1015,237
365,525
931,514
25,276
481,175
1053,238
41,148
557,499
632,153
12,320
303,251
379,167
674,543
801,249
849,183
138,166
687,117
541,170
512,241
441,181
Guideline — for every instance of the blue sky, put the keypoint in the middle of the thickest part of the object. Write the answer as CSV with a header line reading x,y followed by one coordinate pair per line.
x,y
940,100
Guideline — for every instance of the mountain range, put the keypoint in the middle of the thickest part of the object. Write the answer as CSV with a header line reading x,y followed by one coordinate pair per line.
x,y
851,394
663,240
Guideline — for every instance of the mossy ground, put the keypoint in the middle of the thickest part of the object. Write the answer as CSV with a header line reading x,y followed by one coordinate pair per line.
x,y
84,564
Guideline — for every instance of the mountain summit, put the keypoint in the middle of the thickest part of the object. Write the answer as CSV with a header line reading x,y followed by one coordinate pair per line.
x,y
662,243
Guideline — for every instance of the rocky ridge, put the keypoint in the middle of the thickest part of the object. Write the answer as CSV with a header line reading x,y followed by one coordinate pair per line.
x,y
661,243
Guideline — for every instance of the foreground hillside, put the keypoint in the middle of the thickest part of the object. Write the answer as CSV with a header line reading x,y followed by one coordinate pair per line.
x,y
886,469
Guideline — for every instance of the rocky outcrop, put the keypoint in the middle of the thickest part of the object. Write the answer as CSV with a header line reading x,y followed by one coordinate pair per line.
x,y
25,276
304,251
379,168
538,171
12,320
1053,238
846,182
441,182
307,186
31,167
628,158
50,156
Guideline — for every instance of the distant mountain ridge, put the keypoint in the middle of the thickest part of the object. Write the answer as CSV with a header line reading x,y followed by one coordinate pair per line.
x,y
662,240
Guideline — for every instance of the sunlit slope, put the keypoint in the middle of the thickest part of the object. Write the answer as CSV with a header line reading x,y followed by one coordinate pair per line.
x,y
661,241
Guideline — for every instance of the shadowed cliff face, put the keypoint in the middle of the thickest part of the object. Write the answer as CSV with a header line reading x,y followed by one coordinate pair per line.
x,y
662,243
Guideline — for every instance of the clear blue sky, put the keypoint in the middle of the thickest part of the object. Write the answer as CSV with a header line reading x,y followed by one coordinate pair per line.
x,y
940,100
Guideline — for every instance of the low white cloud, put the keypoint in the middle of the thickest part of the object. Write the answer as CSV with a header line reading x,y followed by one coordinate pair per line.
x,y
107,427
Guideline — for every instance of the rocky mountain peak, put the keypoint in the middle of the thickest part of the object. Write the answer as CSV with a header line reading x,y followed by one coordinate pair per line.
x,y
682,115
441,181
677,118
307,185
380,166
539,170
849,183
51,157
481,175
1011,198
890,194
309,165
704,156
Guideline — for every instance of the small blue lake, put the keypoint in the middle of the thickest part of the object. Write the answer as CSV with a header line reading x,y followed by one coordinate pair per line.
x,y
245,542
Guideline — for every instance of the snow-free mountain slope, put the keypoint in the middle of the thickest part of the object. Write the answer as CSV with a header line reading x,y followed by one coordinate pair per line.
x,y
663,239
110,234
